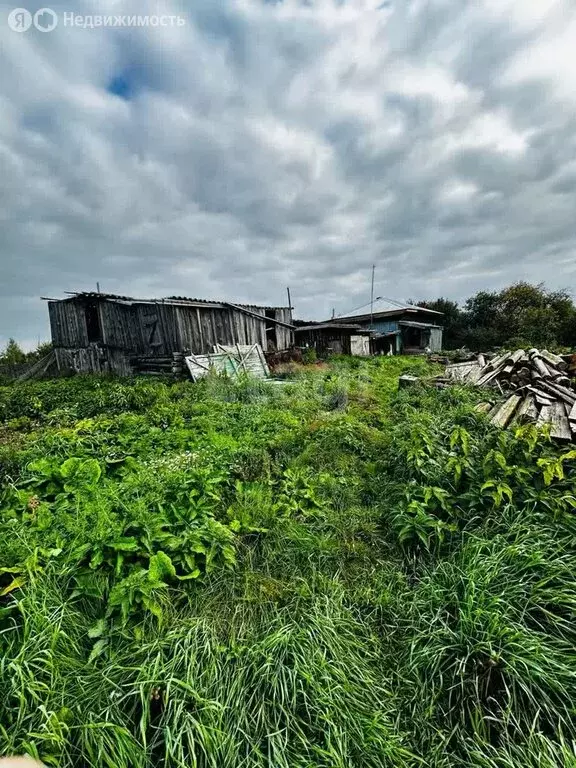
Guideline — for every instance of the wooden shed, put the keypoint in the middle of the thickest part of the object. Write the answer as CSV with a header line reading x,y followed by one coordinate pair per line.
x,y
104,333
334,338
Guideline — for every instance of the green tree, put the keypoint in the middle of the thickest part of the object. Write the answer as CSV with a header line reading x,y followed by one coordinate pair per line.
x,y
13,354
481,319
453,321
534,314
43,348
520,315
525,312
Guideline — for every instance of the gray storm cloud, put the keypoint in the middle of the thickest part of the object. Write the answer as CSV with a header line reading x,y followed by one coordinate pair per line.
x,y
270,144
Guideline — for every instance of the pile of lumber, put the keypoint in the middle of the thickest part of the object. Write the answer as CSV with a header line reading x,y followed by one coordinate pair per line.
x,y
158,366
154,366
537,385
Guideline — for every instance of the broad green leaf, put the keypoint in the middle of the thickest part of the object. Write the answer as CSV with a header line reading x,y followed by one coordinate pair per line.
x,y
80,474
154,607
69,467
193,575
16,583
44,467
161,568
124,544
97,559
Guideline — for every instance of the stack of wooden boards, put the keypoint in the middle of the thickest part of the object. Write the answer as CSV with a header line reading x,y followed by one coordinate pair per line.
x,y
538,383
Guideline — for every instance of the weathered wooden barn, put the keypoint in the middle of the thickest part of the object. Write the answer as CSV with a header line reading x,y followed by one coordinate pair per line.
x,y
334,338
104,333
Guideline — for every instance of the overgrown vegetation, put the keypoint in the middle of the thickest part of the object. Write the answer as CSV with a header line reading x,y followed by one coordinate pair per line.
x,y
322,572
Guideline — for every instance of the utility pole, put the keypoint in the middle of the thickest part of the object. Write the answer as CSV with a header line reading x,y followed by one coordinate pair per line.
x,y
372,297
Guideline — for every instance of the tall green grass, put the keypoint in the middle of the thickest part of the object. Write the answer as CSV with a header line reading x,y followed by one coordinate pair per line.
x,y
291,681
386,606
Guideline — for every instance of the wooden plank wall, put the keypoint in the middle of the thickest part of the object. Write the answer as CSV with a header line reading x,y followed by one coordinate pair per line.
x,y
200,328
249,330
118,362
82,360
285,336
120,326
156,329
67,324
93,359
436,339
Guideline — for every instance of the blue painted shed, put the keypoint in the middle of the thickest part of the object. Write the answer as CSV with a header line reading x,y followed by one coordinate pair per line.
x,y
401,329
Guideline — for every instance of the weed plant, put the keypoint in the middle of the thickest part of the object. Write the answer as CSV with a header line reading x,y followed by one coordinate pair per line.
x,y
326,573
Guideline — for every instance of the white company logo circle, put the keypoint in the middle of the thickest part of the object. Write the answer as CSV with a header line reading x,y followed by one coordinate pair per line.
x,y
45,20
19,20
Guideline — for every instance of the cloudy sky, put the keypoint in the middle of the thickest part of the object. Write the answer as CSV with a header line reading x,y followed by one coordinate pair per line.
x,y
265,144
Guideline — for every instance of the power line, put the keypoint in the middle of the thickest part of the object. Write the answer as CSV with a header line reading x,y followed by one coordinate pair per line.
x,y
393,301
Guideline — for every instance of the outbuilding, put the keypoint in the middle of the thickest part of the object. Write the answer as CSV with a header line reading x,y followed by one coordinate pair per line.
x,y
407,330
106,333
334,338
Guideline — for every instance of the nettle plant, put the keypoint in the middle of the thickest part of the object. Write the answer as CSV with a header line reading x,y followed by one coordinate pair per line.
x,y
455,481
165,540
140,549
135,529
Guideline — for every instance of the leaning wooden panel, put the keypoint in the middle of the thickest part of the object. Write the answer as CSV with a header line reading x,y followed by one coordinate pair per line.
x,y
201,365
248,357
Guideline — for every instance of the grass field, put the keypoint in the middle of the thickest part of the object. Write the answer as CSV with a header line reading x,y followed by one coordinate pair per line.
x,y
318,573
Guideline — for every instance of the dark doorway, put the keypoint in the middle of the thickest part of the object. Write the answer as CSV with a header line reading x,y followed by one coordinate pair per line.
x,y
93,327
271,337
413,338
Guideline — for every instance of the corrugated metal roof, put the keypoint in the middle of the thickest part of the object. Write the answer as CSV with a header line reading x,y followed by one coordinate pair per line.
x,y
225,302
165,300
386,308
